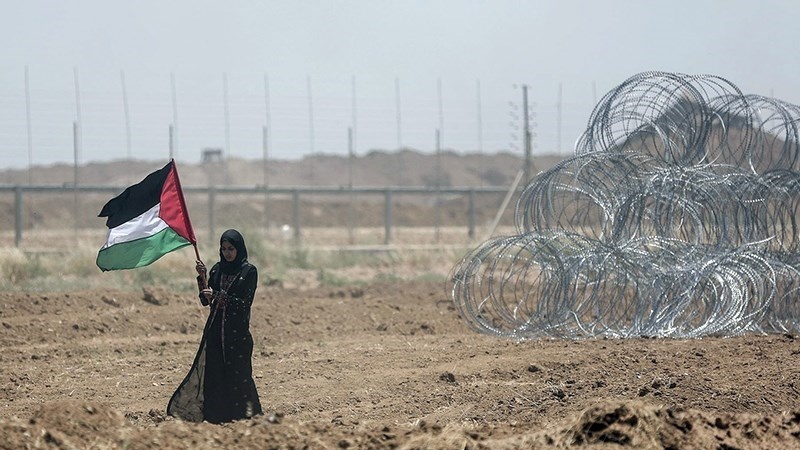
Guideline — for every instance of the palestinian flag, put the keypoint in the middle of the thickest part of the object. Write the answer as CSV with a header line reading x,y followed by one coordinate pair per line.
x,y
145,222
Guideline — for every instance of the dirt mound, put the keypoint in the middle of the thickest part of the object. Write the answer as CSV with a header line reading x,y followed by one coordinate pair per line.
x,y
635,425
67,425
638,425
378,168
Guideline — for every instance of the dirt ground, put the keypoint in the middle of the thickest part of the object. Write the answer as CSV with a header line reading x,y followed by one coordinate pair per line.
x,y
379,366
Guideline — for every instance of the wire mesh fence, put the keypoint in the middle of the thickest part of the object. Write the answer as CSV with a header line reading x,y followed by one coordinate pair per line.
x,y
80,117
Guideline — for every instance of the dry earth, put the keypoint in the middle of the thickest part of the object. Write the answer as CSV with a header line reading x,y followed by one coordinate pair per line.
x,y
380,366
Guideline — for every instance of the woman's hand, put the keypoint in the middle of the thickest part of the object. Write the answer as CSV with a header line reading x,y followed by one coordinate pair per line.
x,y
200,268
207,293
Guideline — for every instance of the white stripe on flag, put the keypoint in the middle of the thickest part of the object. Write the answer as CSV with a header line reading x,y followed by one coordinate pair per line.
x,y
146,225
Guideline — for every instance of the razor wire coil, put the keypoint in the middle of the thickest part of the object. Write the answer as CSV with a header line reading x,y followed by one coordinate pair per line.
x,y
677,216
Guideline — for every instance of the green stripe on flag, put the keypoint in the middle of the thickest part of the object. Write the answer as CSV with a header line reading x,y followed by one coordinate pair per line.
x,y
140,252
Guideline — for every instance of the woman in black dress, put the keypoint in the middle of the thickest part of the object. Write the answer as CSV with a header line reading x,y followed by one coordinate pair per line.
x,y
219,387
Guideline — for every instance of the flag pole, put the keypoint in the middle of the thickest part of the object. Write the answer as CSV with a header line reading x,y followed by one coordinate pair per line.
x,y
204,275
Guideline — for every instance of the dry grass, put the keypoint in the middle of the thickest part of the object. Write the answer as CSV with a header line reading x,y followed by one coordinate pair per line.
x,y
65,260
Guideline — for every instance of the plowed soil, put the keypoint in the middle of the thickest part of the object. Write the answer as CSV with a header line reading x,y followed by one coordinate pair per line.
x,y
379,366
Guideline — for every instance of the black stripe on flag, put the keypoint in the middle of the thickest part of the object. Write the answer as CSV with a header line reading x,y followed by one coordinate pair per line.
x,y
135,200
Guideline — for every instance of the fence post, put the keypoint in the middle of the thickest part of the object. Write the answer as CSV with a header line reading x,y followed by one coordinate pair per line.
x,y
17,215
387,218
471,214
212,200
296,214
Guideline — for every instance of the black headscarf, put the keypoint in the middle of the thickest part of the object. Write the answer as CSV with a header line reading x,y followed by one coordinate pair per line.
x,y
235,238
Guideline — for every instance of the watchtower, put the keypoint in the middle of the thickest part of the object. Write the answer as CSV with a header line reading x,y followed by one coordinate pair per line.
x,y
212,155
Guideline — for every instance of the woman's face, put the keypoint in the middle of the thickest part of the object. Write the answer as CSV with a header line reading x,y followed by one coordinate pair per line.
x,y
228,251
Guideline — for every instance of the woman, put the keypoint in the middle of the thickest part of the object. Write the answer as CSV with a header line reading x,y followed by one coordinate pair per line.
x,y
219,387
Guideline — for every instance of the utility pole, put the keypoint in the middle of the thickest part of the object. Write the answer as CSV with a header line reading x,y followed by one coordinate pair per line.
x,y
28,123
311,150
527,134
480,119
265,173
441,109
171,141
129,154
354,111
77,143
398,117
560,107
266,140
173,146
352,215
226,113
438,185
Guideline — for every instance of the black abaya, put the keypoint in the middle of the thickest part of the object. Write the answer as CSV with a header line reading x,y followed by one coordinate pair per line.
x,y
220,387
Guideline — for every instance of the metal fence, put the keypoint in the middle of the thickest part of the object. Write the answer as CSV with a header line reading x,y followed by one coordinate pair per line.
x,y
64,118
300,215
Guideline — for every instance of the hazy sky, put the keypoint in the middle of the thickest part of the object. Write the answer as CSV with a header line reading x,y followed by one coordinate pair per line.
x,y
311,69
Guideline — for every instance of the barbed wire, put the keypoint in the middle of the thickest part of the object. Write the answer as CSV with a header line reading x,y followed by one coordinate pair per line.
x,y
677,216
